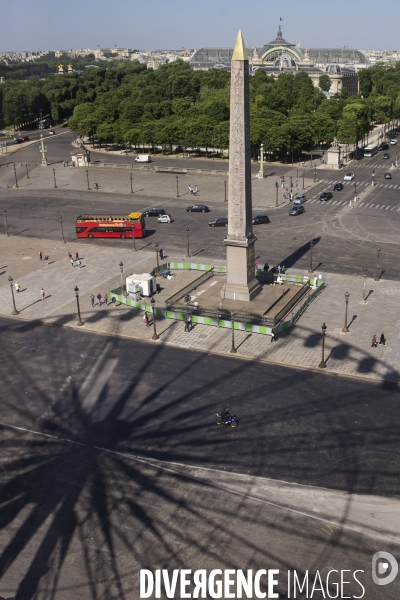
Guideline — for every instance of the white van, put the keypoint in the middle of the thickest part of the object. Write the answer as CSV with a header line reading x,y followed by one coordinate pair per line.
x,y
143,158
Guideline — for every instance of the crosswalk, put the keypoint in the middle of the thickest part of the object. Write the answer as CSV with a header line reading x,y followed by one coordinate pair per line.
x,y
343,203
360,185
365,184
374,166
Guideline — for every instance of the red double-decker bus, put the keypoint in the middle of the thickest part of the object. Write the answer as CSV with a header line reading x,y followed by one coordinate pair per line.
x,y
111,226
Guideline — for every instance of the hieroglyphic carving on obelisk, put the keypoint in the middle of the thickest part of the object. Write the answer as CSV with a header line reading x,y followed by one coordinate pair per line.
x,y
241,283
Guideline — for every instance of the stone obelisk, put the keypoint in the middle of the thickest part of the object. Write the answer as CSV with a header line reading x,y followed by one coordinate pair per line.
x,y
241,283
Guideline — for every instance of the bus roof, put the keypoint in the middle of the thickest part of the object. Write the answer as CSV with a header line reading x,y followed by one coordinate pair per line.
x,y
133,216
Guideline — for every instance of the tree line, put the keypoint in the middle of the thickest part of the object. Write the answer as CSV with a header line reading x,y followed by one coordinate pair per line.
x,y
123,102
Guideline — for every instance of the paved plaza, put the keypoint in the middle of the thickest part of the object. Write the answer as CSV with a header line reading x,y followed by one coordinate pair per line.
x,y
346,353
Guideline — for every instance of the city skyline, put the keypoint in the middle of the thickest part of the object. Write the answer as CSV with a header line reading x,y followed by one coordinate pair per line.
x,y
178,24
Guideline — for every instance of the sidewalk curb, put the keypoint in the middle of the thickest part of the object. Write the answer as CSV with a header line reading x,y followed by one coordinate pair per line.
x,y
372,380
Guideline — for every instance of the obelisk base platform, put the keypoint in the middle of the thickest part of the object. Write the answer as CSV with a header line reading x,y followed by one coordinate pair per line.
x,y
241,283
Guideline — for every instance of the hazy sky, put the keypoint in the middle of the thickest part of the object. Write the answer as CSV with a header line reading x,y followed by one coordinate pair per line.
x,y
153,24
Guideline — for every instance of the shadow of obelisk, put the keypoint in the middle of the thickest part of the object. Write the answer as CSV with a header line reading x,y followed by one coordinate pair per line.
x,y
241,283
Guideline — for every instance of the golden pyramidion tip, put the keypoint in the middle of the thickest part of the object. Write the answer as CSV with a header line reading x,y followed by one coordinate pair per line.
x,y
240,52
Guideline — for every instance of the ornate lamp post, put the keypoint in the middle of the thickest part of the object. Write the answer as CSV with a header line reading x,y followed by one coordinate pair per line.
x,y
303,177
62,229
378,251
276,189
177,186
158,264
365,278
133,237
154,336
315,173
355,192
15,311
310,270
130,174
80,322
16,180
121,268
291,186
5,223
346,299
54,176
27,172
233,349
322,364
87,178
188,243
225,200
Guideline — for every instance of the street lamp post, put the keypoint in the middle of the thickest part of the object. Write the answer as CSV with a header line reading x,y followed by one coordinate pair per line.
x,y
133,236
121,268
158,264
188,242
131,183
346,299
177,186
225,199
27,172
154,336
355,192
233,349
54,176
87,178
315,173
373,176
365,279
80,322
322,364
277,188
310,270
291,186
5,223
62,229
15,311
378,251
16,180
303,177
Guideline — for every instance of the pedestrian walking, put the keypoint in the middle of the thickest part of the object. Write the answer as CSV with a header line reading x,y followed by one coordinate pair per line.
x,y
46,259
161,252
196,189
43,294
71,260
190,189
66,163
99,298
374,343
63,163
69,256
189,323
105,299
77,255
146,319
40,255
92,299
382,339
17,287
79,264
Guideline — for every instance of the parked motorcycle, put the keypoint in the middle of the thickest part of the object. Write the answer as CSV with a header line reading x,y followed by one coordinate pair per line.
x,y
225,418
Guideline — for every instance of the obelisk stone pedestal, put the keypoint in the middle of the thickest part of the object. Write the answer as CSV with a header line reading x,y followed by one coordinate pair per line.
x,y
241,283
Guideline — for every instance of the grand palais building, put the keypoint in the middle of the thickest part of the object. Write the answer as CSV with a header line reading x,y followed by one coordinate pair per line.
x,y
280,56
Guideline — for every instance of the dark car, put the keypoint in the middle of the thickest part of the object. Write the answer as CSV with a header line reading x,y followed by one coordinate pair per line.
x,y
154,212
220,222
386,155
198,208
260,219
388,176
297,210
338,187
383,146
18,141
325,196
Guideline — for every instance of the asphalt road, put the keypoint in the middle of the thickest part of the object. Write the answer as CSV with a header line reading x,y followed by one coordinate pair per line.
x,y
161,403
81,515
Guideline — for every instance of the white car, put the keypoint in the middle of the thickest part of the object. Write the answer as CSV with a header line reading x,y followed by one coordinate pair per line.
x,y
164,219
393,141
52,132
349,177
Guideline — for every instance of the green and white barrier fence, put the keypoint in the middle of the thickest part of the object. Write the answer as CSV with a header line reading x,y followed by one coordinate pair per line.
x,y
215,322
